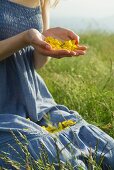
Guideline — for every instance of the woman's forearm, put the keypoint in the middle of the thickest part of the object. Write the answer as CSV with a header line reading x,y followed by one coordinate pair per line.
x,y
40,60
12,45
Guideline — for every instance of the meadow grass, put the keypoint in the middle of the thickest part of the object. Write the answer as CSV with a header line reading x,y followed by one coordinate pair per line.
x,y
42,163
86,83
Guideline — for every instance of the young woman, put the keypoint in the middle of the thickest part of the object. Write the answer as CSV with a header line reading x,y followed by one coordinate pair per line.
x,y
24,24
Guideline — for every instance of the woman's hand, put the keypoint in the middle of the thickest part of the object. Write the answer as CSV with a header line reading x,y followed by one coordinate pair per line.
x,y
36,39
61,34
64,35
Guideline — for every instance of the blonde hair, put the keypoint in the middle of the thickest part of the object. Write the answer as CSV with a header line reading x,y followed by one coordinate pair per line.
x,y
54,2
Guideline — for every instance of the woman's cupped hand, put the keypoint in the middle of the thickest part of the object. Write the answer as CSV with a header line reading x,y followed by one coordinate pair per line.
x,y
37,40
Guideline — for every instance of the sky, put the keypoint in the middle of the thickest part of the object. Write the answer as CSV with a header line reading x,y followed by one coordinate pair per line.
x,y
84,8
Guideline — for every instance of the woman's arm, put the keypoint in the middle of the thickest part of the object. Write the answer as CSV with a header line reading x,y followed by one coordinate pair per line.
x,y
19,41
41,60
11,45
41,56
34,38
45,14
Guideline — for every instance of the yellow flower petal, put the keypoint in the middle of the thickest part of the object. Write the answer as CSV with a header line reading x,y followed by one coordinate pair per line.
x,y
58,44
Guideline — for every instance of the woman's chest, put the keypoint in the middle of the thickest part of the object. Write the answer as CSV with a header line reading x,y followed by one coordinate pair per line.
x,y
16,18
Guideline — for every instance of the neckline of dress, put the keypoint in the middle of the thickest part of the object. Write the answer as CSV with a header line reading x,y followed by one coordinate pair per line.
x,y
23,6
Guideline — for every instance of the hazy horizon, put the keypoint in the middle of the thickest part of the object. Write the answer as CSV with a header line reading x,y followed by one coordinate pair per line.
x,y
84,24
84,8
84,15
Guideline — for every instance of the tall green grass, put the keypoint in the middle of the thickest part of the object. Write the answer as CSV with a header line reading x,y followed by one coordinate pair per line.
x,y
42,163
86,83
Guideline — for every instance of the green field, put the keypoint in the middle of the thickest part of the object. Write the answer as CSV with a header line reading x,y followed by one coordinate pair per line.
x,y
86,83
